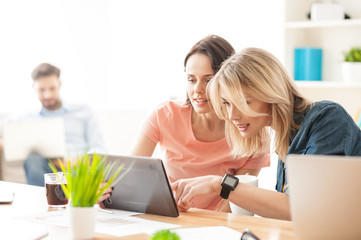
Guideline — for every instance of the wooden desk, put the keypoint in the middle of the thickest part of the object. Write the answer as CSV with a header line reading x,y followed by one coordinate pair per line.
x,y
30,199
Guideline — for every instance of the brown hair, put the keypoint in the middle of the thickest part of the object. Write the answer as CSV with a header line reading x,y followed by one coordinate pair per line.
x,y
44,70
215,47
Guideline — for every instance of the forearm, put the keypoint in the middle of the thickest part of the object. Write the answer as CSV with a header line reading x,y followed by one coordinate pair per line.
x,y
262,202
259,201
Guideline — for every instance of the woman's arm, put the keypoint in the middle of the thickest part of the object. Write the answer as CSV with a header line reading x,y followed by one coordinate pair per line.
x,y
259,201
143,146
242,171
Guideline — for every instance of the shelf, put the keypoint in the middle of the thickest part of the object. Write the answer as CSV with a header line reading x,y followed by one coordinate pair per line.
x,y
327,84
334,37
320,24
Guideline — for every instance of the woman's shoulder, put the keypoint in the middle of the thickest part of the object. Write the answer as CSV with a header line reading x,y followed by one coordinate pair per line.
x,y
327,107
327,104
173,106
327,111
173,109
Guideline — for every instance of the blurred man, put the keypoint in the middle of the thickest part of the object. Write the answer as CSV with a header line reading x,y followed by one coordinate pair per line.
x,y
81,131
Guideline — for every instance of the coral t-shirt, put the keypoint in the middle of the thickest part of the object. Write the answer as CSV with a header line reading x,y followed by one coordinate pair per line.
x,y
170,125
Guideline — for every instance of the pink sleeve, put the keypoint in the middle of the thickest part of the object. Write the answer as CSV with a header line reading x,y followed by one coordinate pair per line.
x,y
260,161
151,127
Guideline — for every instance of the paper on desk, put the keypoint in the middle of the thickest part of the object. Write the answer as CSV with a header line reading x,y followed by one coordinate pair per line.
x,y
208,233
61,217
124,226
21,230
120,223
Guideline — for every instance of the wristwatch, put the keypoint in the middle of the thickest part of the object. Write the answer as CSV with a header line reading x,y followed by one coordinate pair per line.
x,y
229,183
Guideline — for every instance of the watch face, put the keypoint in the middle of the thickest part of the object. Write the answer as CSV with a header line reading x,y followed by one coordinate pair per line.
x,y
230,181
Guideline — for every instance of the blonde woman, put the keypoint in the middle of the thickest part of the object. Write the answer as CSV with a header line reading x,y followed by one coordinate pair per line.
x,y
251,92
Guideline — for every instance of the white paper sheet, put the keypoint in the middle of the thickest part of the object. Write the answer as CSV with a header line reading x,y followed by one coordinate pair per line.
x,y
21,230
124,226
119,223
208,233
61,217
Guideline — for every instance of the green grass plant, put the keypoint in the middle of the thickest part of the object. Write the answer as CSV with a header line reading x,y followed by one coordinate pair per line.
x,y
87,178
353,55
165,235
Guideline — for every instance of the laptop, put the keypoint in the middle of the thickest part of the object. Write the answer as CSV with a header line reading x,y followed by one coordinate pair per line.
x,y
145,188
325,196
45,136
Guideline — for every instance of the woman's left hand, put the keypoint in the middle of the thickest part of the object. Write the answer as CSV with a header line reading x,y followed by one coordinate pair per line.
x,y
187,189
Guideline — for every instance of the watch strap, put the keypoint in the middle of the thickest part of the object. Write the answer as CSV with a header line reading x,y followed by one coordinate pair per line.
x,y
225,192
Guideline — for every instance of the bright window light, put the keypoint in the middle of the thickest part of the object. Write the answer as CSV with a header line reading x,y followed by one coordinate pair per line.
x,y
121,54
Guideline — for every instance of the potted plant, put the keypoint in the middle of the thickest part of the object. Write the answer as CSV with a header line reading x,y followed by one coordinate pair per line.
x,y
351,67
165,235
85,177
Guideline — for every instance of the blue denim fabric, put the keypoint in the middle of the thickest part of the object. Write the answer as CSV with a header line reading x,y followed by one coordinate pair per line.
x,y
35,167
327,129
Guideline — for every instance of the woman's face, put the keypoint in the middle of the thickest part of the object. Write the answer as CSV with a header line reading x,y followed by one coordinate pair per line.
x,y
249,126
199,72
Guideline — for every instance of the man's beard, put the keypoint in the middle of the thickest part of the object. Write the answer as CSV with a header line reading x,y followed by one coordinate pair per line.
x,y
54,106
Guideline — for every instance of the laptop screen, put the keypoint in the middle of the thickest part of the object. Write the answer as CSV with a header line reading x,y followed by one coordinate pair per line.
x,y
45,137
145,188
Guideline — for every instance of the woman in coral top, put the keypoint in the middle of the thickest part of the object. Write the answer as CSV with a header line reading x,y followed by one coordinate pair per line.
x,y
189,132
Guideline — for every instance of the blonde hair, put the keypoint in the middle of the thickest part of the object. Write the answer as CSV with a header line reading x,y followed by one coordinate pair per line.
x,y
262,76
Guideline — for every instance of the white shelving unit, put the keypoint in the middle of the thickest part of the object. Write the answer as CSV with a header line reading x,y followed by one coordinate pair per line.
x,y
323,24
329,85
335,38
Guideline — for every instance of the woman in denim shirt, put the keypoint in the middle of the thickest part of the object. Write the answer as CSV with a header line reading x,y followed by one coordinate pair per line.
x,y
253,93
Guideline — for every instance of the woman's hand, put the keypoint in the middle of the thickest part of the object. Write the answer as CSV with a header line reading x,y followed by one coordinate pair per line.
x,y
187,189
105,195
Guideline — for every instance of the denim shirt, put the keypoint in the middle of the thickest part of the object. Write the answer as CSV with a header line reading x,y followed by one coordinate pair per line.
x,y
326,129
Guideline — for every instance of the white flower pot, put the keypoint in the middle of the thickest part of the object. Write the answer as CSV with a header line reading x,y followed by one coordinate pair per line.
x,y
351,71
82,222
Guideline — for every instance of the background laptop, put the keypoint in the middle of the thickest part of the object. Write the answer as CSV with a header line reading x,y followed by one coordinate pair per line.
x,y
45,136
325,195
144,189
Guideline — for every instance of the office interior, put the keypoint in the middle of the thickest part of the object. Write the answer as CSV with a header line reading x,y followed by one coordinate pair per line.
x,y
124,58
120,58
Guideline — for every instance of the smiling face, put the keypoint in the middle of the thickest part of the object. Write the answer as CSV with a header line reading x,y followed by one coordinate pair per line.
x,y
199,72
249,126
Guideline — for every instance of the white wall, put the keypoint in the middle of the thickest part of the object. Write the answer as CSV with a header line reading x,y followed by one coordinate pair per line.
x,y
121,54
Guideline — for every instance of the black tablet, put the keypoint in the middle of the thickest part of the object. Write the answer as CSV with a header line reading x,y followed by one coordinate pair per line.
x,y
144,189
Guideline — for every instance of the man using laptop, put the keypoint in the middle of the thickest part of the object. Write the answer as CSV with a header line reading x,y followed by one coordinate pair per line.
x,y
81,131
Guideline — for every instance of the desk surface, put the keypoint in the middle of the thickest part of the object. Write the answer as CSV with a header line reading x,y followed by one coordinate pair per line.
x,y
264,228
